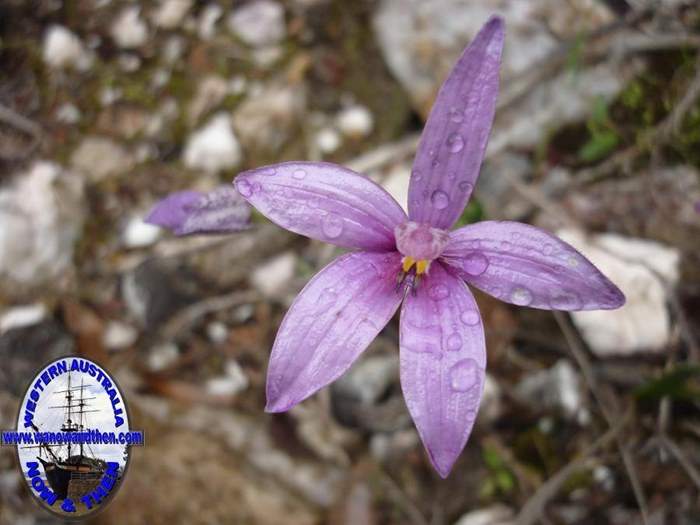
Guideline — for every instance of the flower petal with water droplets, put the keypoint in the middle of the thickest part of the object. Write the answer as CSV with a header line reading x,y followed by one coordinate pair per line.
x,y
221,210
527,266
324,201
443,357
454,139
331,322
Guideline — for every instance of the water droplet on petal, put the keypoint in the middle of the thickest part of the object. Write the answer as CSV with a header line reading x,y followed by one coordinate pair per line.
x,y
514,236
464,375
454,342
417,175
547,249
245,188
269,171
299,174
470,317
439,199
465,186
438,292
563,300
332,226
521,296
456,115
572,261
455,143
475,263
328,296
505,246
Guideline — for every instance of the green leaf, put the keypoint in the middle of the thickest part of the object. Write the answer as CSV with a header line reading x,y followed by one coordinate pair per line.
x,y
472,213
599,146
677,384
492,459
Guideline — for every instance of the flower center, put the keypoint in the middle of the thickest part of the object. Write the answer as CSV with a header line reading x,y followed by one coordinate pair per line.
x,y
419,244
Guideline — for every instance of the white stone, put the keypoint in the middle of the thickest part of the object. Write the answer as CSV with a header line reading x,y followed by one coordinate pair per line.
x,y
41,213
64,49
109,95
233,381
22,316
269,116
100,158
237,85
211,91
217,332
160,78
259,23
328,140
355,121
138,233
491,406
173,49
118,335
396,183
68,113
129,30
272,278
643,324
495,515
207,21
170,13
162,356
129,62
558,387
214,147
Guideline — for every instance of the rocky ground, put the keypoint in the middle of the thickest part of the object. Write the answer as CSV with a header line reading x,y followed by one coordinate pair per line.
x,y
107,106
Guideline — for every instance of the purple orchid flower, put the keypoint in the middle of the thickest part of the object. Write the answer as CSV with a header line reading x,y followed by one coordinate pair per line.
x,y
221,210
343,308
414,260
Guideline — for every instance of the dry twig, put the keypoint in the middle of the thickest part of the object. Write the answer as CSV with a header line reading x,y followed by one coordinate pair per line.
x,y
585,366
532,511
188,316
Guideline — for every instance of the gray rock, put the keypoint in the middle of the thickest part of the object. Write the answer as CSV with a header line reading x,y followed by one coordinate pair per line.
x,y
155,290
369,397
556,388
272,278
421,41
214,147
23,350
642,269
41,212
259,23
129,30
266,120
99,158
170,13
495,515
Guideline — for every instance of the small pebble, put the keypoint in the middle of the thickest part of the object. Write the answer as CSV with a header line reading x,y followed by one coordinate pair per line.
x,y
355,121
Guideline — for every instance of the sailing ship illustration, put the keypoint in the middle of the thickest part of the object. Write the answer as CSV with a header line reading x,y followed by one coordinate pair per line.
x,y
71,469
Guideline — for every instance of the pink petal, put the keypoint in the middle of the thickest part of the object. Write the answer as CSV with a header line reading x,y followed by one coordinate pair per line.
x,y
527,266
454,138
324,201
443,357
221,210
332,320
